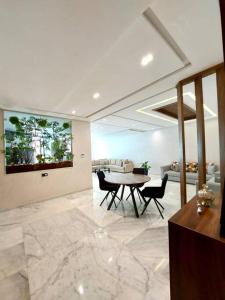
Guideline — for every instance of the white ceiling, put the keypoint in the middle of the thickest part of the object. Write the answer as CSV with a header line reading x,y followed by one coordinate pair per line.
x,y
55,54
131,118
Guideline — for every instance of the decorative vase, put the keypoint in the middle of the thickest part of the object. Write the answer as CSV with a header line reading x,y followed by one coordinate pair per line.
x,y
205,196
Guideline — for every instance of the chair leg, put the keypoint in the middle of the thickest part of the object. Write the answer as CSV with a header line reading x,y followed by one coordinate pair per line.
x,y
106,196
114,200
158,207
118,198
146,205
128,196
143,198
159,204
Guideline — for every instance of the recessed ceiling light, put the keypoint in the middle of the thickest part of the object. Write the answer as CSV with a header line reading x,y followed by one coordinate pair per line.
x,y
73,112
146,59
96,95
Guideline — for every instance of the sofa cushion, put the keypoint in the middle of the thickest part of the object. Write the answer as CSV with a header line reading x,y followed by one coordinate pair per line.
x,y
119,162
112,161
93,162
124,161
217,177
97,162
193,176
208,176
116,168
211,168
173,173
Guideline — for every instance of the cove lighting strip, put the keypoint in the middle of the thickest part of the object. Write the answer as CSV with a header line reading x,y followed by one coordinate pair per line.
x,y
191,95
212,113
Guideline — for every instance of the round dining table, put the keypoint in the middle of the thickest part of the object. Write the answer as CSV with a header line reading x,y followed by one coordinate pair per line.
x,y
133,181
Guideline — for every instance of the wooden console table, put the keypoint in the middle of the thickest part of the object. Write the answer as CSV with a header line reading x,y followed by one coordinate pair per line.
x,y
197,254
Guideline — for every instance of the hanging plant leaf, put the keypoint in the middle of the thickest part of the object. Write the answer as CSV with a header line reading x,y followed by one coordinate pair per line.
x,y
42,123
66,125
14,120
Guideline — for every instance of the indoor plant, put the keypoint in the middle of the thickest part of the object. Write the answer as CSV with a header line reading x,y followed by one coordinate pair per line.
x,y
145,165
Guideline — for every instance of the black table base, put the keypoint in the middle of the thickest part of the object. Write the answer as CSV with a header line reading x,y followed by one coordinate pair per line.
x,y
132,190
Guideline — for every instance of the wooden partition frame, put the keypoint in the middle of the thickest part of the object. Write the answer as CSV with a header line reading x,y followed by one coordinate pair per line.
x,y
197,80
200,131
221,108
182,153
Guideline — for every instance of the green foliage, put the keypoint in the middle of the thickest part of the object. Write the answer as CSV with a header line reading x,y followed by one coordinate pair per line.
x,y
14,120
58,149
66,125
54,139
69,156
42,123
40,158
146,165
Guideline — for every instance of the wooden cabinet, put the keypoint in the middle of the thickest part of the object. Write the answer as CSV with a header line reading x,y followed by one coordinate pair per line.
x,y
197,254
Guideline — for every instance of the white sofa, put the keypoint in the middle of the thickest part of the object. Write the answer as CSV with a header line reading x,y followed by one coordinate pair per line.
x,y
115,165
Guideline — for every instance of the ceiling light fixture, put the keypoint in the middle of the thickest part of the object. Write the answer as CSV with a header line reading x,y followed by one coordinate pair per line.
x,y
96,95
73,112
146,59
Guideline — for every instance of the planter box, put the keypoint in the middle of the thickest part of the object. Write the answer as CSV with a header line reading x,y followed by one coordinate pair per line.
x,y
38,167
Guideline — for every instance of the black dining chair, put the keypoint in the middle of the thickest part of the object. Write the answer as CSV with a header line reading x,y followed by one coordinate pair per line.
x,y
155,193
140,171
105,186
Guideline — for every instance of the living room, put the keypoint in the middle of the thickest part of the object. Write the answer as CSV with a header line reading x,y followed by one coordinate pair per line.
x,y
158,143
112,161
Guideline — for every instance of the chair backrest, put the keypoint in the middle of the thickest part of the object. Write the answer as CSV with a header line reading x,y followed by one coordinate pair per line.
x,y
141,171
164,181
101,179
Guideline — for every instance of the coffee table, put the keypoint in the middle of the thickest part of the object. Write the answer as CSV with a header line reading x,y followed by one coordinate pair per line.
x,y
102,169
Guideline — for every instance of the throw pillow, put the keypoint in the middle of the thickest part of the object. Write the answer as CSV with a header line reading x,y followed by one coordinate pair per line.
x,y
175,166
193,167
187,167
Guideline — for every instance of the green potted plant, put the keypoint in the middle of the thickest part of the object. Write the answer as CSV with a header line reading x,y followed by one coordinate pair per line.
x,y
145,165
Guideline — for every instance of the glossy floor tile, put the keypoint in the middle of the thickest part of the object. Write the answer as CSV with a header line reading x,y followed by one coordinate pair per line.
x,y
71,248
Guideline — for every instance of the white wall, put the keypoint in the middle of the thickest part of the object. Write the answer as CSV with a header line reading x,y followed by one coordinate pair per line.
x,y
159,147
22,188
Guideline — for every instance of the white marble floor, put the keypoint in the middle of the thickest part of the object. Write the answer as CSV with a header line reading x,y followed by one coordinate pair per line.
x,y
71,248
